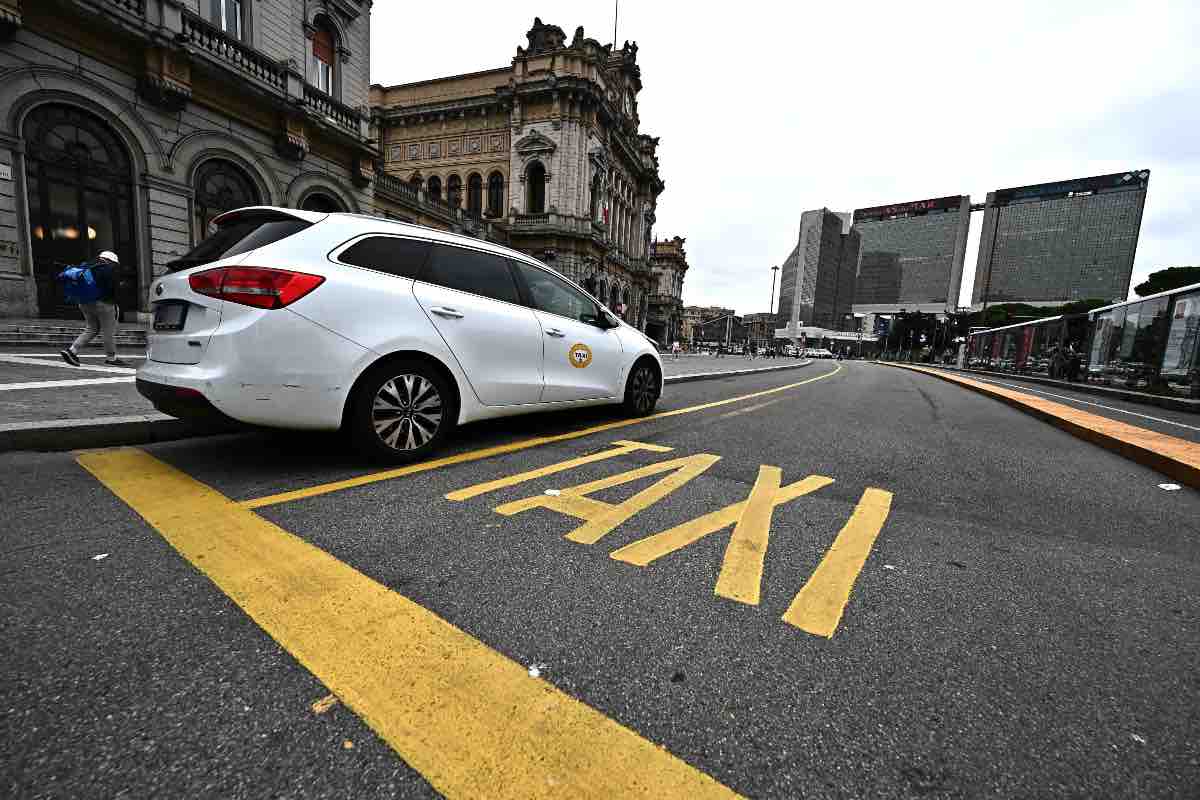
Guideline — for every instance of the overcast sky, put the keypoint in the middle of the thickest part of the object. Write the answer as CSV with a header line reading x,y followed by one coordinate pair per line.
x,y
768,109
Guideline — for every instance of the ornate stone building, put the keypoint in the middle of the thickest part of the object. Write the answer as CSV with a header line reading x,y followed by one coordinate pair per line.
x,y
546,149
128,125
668,265
693,316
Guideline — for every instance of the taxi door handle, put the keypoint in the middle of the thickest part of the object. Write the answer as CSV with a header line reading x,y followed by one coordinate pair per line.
x,y
555,332
443,311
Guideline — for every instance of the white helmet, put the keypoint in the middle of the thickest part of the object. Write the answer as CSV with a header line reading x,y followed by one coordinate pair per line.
x,y
109,255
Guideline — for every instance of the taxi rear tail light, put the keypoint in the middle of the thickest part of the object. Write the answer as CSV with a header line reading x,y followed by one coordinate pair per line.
x,y
260,287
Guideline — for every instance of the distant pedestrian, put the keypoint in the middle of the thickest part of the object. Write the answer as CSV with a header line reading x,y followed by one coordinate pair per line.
x,y
675,349
99,309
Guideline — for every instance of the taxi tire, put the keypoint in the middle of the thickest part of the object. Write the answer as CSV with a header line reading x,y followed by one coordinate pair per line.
x,y
360,425
635,404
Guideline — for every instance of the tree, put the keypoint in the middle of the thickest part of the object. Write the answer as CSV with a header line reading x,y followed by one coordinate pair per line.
x,y
1170,278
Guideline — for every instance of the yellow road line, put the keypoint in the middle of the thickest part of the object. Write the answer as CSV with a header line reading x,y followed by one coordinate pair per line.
x,y
817,608
622,448
742,568
470,720
512,447
652,548
599,517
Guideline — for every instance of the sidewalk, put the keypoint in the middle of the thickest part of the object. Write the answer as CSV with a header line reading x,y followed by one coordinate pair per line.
x,y
46,404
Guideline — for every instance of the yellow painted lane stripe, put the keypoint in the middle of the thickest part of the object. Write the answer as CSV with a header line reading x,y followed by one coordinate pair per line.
x,y
471,721
511,447
742,568
817,608
601,518
644,551
622,448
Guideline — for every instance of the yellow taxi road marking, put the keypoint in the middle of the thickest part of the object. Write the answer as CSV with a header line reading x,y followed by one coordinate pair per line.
x,y
741,570
621,447
511,447
748,410
817,608
601,518
645,551
470,720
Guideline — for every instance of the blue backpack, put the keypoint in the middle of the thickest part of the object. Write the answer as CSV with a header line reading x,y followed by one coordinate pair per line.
x,y
79,284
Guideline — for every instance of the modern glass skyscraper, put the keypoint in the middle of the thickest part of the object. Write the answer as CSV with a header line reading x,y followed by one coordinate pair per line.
x,y
912,255
1063,241
817,282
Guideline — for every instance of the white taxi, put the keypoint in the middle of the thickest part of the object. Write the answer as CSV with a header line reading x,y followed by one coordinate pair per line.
x,y
394,333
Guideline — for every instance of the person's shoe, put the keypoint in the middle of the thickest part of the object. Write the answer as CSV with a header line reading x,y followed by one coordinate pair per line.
x,y
116,362
69,357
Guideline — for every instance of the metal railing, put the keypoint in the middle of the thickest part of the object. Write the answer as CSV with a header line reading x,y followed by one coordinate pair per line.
x,y
531,219
216,42
329,108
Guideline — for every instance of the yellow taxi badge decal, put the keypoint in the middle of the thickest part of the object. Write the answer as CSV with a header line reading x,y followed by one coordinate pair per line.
x,y
580,355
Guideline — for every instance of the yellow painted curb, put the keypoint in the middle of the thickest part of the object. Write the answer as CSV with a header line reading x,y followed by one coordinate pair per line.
x,y
1177,458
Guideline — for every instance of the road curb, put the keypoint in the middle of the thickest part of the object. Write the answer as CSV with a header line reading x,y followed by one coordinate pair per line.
x,y
1176,458
710,376
82,434
77,434
1112,393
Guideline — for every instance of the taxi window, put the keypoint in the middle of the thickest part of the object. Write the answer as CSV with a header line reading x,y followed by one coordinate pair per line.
x,y
555,296
471,271
390,254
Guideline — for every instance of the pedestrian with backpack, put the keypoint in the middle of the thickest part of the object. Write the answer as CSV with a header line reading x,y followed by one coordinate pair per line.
x,y
92,286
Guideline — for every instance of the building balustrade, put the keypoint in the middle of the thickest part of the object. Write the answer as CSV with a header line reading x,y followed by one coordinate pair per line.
x,y
325,106
212,40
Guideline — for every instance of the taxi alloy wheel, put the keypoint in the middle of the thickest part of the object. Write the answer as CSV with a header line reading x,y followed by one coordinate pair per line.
x,y
401,412
641,392
407,412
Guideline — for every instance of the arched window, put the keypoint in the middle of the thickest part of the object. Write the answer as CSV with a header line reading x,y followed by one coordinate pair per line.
x,y
321,63
79,187
322,202
220,186
434,188
535,188
474,194
495,198
454,191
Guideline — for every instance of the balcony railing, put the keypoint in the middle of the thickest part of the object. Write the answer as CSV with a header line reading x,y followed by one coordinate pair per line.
x,y
216,42
133,6
325,106
531,219
398,187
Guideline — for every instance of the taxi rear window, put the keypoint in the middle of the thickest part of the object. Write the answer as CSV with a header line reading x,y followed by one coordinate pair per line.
x,y
240,235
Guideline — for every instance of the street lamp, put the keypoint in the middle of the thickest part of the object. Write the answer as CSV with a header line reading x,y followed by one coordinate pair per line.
x,y
771,308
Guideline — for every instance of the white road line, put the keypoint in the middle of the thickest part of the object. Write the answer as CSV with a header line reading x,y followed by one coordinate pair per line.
x,y
1023,388
8,387
38,362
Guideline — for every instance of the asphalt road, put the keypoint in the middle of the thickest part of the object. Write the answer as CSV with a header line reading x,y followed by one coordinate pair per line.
x,y
1025,623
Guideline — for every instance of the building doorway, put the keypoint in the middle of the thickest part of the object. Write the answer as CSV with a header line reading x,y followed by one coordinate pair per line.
x,y
79,187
